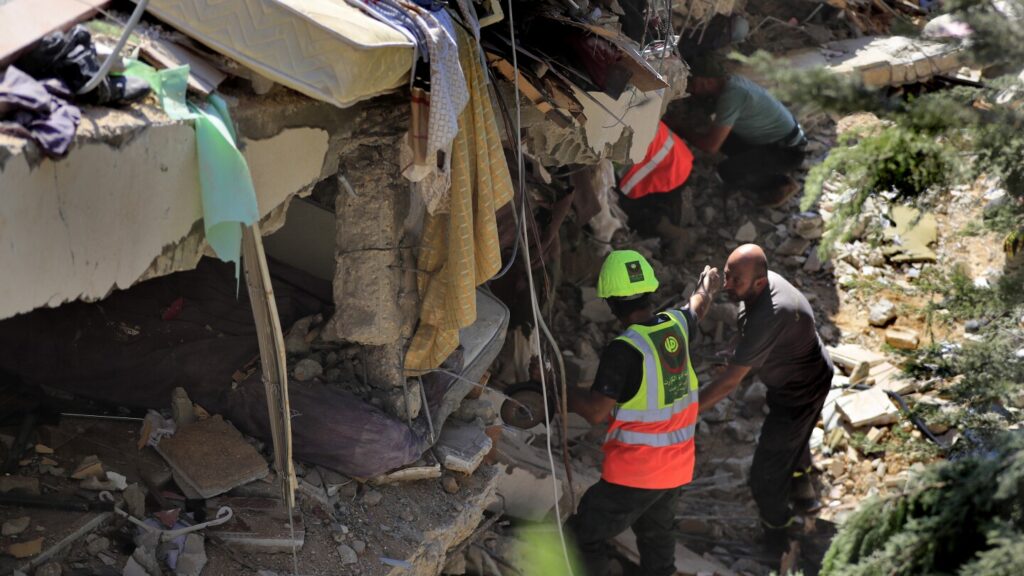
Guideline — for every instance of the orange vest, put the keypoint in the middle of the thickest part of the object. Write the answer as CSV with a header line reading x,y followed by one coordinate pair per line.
x,y
666,166
650,439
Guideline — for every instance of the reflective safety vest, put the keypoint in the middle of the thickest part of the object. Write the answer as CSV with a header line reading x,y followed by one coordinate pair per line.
x,y
666,166
650,439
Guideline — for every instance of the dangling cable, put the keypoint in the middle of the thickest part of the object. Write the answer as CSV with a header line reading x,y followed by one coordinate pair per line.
x,y
109,62
524,238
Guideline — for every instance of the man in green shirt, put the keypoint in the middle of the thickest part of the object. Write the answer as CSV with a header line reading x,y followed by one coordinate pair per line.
x,y
760,138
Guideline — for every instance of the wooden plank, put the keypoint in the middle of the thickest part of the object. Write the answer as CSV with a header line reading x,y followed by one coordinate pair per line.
x,y
22,22
203,76
272,355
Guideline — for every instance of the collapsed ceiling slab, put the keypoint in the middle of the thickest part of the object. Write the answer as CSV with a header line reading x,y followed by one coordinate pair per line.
x,y
99,219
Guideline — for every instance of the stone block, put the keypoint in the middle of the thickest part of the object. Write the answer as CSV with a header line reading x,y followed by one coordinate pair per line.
x,y
902,338
870,407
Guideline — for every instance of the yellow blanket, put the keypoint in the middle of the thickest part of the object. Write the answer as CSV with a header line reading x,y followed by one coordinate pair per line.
x,y
460,249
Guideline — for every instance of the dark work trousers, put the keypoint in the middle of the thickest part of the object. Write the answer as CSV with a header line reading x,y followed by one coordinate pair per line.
x,y
646,212
606,510
782,449
758,168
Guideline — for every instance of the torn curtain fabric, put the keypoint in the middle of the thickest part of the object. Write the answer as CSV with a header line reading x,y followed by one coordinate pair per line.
x,y
460,249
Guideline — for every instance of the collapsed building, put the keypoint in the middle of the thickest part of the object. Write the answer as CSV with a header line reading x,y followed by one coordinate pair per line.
x,y
358,230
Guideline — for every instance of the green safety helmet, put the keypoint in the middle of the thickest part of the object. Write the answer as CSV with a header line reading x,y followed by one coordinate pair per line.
x,y
625,274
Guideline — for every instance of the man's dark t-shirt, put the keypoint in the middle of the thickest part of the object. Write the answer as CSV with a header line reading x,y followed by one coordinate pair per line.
x,y
778,340
621,369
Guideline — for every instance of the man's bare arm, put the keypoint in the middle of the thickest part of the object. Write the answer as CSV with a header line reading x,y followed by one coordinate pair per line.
x,y
711,141
722,386
593,406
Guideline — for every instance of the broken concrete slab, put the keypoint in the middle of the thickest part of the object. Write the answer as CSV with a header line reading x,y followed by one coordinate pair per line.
x,y
850,356
211,457
878,62
902,338
462,447
870,407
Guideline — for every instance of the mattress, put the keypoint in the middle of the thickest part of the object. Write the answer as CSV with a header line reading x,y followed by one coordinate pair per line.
x,y
325,49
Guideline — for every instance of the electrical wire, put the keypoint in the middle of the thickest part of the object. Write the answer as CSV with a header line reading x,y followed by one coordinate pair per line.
x,y
533,292
109,62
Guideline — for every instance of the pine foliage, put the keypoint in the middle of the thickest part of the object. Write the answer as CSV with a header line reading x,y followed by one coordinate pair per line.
x,y
964,517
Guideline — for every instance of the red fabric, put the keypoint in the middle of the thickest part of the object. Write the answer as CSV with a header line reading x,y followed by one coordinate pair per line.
x,y
646,466
668,174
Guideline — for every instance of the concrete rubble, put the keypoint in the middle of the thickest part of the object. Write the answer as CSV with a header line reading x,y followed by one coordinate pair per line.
x,y
329,180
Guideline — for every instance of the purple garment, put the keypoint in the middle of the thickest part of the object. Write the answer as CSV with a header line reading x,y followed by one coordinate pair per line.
x,y
37,110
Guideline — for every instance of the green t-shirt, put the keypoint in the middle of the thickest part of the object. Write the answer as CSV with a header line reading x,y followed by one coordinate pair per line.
x,y
754,114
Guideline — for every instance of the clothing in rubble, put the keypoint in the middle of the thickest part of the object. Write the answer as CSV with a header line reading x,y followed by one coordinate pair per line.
x,y
37,110
71,57
642,476
778,339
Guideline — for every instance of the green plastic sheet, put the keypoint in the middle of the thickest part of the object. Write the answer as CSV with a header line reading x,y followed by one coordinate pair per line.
x,y
228,195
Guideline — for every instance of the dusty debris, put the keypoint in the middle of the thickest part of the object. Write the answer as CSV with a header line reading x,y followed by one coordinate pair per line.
x,y
348,555
372,498
16,525
307,369
43,449
96,544
211,457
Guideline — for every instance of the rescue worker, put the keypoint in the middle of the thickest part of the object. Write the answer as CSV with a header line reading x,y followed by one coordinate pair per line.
x,y
646,383
651,187
761,139
778,340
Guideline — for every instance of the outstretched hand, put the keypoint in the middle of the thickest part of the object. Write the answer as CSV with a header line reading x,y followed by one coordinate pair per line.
x,y
711,281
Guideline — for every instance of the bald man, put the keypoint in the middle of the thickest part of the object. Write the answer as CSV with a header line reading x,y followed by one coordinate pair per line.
x,y
777,340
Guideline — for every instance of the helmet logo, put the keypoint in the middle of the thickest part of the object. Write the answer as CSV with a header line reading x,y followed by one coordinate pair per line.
x,y
636,273
671,344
